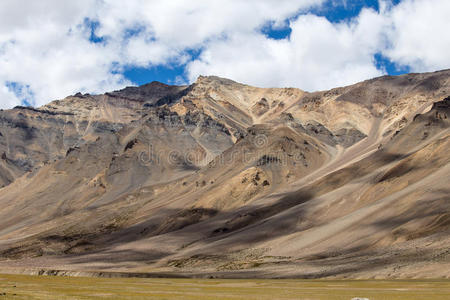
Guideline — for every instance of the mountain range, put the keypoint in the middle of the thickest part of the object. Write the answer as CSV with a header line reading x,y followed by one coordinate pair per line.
x,y
222,179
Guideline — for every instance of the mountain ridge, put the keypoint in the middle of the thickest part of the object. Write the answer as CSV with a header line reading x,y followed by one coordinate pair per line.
x,y
224,179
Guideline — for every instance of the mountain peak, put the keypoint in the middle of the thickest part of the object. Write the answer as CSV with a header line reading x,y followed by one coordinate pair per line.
x,y
212,79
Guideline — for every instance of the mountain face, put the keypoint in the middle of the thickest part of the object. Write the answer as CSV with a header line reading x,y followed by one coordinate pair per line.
x,y
223,179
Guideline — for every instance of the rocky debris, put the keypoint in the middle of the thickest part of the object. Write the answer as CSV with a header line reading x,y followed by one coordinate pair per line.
x,y
130,144
267,159
347,137
320,132
260,107
43,111
344,136
439,113
396,126
163,116
442,108
199,119
172,98
80,95
286,117
216,81
151,94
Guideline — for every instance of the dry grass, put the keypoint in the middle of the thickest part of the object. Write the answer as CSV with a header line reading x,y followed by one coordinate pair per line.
x,y
47,287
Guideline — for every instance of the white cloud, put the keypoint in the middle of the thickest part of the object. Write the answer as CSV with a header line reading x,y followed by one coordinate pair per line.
x,y
318,55
180,23
321,55
45,44
8,98
419,35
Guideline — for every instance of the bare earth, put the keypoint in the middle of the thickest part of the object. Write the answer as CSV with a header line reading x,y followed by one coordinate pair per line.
x,y
224,180
44,287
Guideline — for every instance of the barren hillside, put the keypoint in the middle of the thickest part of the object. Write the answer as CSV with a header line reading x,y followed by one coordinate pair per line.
x,y
223,179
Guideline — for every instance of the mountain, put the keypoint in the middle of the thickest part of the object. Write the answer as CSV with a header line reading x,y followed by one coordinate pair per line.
x,y
224,179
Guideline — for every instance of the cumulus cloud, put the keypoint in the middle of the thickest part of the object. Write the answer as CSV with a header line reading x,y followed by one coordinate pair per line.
x,y
317,55
7,98
56,48
45,46
321,55
48,45
418,34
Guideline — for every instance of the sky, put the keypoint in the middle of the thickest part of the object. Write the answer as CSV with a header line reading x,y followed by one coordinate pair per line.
x,y
50,49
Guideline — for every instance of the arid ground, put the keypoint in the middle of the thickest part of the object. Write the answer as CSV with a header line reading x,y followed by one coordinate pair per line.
x,y
47,287
225,180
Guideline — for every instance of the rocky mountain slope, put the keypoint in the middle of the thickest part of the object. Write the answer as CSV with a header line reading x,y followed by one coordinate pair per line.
x,y
224,179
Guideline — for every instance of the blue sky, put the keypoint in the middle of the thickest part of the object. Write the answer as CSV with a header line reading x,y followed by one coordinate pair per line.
x,y
92,46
